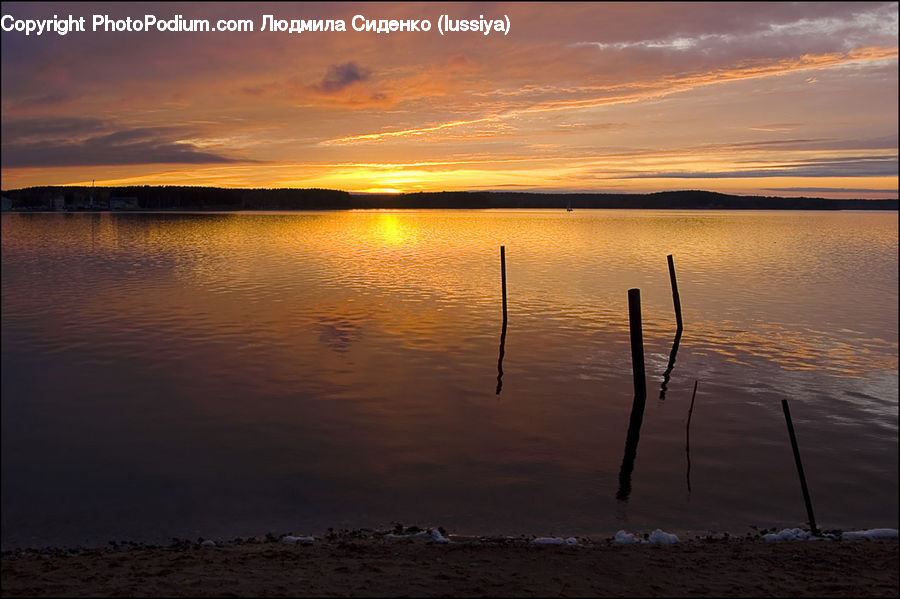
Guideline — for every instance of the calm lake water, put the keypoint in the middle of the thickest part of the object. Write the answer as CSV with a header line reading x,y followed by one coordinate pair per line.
x,y
221,375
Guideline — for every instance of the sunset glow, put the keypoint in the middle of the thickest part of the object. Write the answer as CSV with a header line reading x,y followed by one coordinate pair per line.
x,y
769,99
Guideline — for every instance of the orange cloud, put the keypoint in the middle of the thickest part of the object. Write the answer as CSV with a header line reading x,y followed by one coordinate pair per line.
x,y
653,89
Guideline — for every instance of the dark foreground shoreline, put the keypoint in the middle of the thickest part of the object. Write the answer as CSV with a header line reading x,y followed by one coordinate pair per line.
x,y
366,565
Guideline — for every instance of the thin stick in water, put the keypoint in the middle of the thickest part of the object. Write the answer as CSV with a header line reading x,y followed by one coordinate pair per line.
x,y
806,499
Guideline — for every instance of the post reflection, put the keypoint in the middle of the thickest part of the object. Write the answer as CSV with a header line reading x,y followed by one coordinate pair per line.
x,y
631,443
668,373
687,438
500,359
503,331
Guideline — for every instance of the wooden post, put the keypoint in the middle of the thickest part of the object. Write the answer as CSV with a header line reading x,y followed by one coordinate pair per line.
x,y
503,278
640,395
790,427
675,298
637,344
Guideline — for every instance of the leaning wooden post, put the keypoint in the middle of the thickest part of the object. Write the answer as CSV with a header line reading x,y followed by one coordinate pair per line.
x,y
790,427
675,298
637,344
503,278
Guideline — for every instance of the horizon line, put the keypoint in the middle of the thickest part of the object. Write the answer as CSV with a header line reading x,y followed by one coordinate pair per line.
x,y
468,191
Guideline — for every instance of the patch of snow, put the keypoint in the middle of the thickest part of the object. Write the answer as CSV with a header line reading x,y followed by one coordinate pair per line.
x,y
874,534
624,538
438,537
659,537
432,533
549,541
788,534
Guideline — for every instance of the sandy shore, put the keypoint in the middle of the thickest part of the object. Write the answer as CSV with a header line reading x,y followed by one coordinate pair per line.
x,y
361,564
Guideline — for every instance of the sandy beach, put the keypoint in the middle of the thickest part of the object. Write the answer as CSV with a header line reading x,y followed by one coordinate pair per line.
x,y
377,565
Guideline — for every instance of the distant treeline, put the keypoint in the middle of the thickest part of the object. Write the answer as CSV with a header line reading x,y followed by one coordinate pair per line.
x,y
215,198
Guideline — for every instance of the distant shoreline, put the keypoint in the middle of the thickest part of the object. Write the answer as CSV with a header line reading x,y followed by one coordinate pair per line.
x,y
183,198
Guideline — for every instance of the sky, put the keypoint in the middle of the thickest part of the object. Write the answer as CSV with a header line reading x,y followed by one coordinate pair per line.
x,y
789,99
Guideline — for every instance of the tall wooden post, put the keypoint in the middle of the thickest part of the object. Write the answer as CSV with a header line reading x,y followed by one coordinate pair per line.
x,y
503,278
640,394
637,343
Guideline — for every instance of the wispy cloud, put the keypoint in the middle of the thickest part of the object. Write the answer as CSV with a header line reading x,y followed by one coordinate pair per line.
x,y
866,166
846,30
831,189
648,90
90,141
